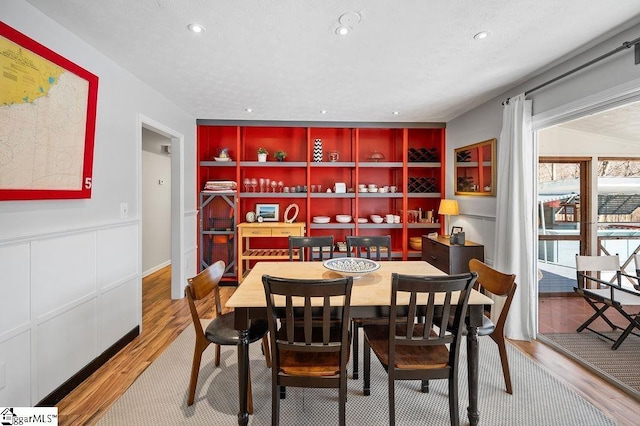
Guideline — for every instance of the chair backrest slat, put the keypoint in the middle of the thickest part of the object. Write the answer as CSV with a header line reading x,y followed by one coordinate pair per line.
x,y
373,246
306,245
433,295
308,313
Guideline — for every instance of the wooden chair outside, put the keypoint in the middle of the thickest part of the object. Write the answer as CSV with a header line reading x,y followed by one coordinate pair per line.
x,y
373,248
411,350
602,295
304,246
220,330
315,352
503,286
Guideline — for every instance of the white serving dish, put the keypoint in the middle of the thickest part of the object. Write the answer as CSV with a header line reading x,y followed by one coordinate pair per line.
x,y
321,219
222,158
351,266
343,218
362,220
377,219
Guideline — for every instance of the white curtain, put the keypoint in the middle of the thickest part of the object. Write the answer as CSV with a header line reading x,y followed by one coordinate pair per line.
x,y
515,215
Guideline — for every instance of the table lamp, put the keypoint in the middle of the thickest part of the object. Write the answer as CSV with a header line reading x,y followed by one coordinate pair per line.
x,y
448,208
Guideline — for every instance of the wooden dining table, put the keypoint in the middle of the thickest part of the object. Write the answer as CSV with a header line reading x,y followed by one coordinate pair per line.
x,y
370,298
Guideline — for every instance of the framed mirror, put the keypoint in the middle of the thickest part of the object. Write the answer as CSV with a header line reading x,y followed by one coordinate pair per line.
x,y
475,169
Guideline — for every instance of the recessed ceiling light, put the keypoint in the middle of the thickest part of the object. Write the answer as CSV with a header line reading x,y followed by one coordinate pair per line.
x,y
249,109
324,111
481,35
396,112
196,28
342,30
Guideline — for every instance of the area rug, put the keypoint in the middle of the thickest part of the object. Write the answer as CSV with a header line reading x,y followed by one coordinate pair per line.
x,y
620,367
159,395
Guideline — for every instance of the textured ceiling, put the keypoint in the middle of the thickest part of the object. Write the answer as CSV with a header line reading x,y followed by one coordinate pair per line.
x,y
284,60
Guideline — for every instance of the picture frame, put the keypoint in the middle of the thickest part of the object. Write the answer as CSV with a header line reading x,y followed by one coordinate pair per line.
x,y
456,229
475,169
268,212
54,164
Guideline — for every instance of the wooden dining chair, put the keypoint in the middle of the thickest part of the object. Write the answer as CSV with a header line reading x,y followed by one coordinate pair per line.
x,y
313,353
372,247
411,350
304,246
500,285
220,330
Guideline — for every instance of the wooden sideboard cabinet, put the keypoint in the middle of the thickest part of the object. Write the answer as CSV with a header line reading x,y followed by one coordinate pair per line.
x,y
246,231
450,258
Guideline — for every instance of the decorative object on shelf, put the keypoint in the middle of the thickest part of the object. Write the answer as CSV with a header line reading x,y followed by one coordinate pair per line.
x,y
268,212
291,217
376,156
340,188
321,219
280,155
465,183
220,186
333,156
223,155
448,208
351,267
317,151
251,217
262,154
343,218
457,236
415,243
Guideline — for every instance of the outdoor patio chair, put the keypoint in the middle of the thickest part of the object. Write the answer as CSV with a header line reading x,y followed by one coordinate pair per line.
x,y
602,295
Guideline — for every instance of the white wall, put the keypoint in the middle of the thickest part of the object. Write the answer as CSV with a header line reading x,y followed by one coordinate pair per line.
x,y
71,272
156,202
616,77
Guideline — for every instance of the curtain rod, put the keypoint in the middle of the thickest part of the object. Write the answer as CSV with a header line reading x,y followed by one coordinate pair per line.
x,y
625,45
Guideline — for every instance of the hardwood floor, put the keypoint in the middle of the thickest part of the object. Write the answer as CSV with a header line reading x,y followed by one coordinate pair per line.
x,y
164,319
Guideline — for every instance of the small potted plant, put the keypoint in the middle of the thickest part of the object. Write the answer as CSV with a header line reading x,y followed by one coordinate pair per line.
x,y
280,155
262,154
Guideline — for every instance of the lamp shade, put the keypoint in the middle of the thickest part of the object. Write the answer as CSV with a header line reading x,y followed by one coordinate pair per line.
x,y
448,207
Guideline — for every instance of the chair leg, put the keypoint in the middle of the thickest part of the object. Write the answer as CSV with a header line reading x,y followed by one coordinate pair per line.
x,y
342,409
249,392
392,400
355,329
453,400
424,386
266,350
502,347
195,369
366,355
217,362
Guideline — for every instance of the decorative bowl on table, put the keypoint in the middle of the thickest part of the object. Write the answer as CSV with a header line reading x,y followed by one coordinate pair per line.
x,y
351,266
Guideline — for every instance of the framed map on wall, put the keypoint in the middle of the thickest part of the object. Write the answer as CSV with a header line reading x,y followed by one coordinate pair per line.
x,y
47,122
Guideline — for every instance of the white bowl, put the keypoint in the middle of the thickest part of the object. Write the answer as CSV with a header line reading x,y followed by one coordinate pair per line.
x,y
377,219
351,266
222,158
321,219
362,220
343,218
